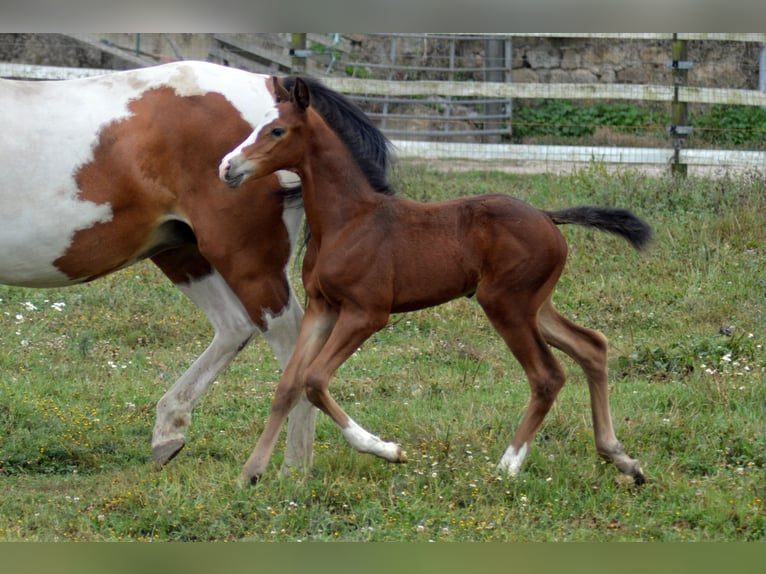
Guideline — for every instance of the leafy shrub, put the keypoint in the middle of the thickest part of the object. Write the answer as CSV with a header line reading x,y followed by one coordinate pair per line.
x,y
552,117
731,125
565,118
722,125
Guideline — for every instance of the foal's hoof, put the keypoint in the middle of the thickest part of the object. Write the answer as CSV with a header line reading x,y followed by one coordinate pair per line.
x,y
167,451
401,456
636,473
633,474
245,481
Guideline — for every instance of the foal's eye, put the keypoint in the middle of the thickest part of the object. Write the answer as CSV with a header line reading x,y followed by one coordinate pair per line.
x,y
277,132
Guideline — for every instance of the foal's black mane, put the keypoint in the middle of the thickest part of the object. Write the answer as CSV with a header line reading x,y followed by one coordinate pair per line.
x,y
366,143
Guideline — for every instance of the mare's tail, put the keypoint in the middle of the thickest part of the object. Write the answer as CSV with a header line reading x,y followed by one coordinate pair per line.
x,y
618,221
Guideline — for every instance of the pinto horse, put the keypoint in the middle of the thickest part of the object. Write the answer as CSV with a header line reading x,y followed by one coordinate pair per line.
x,y
372,254
102,172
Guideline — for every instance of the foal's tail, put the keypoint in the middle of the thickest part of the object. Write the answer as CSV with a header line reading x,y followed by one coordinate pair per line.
x,y
618,221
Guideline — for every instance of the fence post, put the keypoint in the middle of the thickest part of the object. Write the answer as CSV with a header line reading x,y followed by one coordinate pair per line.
x,y
762,72
391,58
679,112
298,53
451,76
494,64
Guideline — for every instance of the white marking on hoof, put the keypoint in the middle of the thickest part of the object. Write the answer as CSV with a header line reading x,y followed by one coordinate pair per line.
x,y
363,441
512,460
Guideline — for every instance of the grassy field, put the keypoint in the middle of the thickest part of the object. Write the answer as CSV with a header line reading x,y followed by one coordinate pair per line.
x,y
82,368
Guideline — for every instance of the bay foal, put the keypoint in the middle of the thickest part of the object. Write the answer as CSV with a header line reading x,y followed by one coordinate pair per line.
x,y
372,254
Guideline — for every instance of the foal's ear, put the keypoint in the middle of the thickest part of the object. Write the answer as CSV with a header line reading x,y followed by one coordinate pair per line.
x,y
280,93
301,95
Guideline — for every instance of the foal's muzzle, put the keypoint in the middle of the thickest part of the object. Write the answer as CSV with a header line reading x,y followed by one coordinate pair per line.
x,y
233,171
234,181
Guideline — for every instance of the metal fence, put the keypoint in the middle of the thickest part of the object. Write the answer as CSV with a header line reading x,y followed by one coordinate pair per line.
x,y
443,58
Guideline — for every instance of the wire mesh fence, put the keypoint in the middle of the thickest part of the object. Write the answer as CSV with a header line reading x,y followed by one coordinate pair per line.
x,y
662,99
647,98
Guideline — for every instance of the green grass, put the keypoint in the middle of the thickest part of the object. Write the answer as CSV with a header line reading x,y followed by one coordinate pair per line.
x,y
80,381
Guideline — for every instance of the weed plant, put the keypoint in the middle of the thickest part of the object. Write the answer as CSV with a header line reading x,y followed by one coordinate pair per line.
x,y
82,368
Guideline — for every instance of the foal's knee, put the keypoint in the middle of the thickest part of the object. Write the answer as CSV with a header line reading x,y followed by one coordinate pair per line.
x,y
547,388
285,398
315,388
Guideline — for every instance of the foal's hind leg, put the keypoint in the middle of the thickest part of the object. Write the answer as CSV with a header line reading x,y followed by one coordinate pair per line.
x,y
589,349
516,322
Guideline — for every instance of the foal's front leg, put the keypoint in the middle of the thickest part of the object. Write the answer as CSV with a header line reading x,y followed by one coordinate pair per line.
x,y
352,329
315,329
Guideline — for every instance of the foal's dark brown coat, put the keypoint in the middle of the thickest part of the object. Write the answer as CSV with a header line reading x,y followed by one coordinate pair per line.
x,y
371,255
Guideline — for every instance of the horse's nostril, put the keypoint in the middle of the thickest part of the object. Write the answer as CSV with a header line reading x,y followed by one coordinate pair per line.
x,y
224,171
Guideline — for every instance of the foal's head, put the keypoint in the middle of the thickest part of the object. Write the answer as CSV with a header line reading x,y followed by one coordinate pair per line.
x,y
276,143
279,140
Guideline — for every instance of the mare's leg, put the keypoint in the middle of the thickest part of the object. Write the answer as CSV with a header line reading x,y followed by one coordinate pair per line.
x,y
589,349
351,330
514,317
233,330
290,393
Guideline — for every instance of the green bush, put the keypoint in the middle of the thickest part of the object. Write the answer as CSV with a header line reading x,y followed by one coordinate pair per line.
x,y
567,119
721,125
732,125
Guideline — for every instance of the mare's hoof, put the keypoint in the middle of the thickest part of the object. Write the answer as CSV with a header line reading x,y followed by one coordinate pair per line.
x,y
167,451
638,477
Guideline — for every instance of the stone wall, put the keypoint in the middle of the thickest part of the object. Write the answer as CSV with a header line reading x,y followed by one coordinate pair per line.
x,y
61,50
715,64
